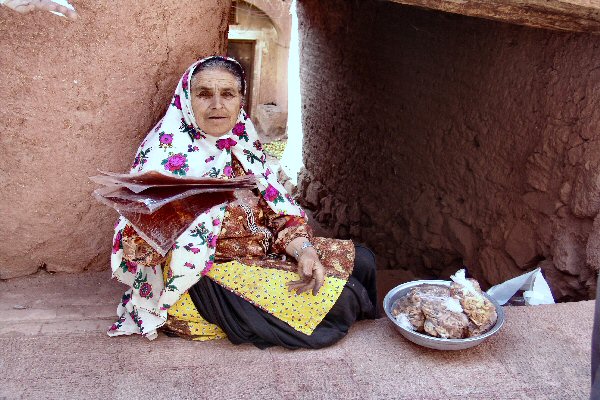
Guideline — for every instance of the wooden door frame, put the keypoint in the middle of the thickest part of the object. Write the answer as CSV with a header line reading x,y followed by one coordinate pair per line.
x,y
259,44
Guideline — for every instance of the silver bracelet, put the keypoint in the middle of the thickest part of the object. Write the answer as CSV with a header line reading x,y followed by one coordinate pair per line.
x,y
305,245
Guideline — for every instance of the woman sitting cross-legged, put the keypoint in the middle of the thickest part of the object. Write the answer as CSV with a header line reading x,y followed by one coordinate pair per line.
x,y
250,269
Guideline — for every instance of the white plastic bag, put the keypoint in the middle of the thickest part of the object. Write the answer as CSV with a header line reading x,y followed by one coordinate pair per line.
x,y
536,289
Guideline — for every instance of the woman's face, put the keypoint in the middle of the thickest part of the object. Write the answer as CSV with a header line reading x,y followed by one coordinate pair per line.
x,y
216,101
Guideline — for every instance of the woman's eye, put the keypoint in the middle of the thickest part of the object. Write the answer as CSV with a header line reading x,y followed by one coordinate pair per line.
x,y
228,95
204,94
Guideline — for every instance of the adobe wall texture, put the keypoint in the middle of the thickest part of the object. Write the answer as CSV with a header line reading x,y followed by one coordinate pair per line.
x,y
440,140
77,97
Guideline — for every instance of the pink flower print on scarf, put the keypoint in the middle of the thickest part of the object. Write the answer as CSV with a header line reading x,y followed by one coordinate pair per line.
x,y
190,130
228,171
166,140
207,267
240,131
257,145
189,265
225,144
211,240
176,102
117,325
190,247
146,290
131,266
272,194
184,84
176,163
209,159
117,243
141,158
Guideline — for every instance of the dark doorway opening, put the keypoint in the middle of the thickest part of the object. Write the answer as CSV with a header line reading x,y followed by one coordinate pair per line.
x,y
244,52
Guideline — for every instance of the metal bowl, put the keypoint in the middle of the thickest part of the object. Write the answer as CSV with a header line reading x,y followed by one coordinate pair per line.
x,y
430,341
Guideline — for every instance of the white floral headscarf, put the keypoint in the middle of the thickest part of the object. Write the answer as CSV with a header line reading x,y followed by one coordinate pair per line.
x,y
176,145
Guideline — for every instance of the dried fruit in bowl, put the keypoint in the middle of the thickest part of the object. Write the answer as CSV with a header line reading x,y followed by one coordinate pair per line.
x,y
444,318
407,311
457,311
476,306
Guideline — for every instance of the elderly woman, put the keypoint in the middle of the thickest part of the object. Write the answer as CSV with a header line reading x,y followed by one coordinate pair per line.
x,y
250,269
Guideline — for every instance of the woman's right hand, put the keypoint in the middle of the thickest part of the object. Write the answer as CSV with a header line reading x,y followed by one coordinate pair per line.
x,y
136,249
129,249
311,271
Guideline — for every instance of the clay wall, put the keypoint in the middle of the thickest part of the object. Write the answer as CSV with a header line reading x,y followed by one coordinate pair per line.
x,y
77,97
441,140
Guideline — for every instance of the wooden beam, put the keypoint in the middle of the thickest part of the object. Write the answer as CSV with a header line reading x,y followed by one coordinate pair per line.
x,y
564,15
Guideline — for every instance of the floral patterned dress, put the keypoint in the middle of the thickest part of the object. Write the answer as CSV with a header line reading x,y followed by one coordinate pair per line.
x,y
250,261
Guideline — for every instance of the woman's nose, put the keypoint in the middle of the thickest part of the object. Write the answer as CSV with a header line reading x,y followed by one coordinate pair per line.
x,y
217,102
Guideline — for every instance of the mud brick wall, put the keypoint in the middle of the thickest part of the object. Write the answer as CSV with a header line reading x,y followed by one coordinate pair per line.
x,y
77,97
441,140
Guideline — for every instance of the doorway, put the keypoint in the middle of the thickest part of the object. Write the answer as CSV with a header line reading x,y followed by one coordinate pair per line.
x,y
244,52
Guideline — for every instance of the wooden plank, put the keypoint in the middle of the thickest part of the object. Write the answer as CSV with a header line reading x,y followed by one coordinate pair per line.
x,y
564,15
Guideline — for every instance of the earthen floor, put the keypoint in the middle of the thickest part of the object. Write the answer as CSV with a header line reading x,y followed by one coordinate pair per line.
x,y
53,345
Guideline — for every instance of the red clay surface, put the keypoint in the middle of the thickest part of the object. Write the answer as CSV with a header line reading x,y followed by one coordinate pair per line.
x,y
53,345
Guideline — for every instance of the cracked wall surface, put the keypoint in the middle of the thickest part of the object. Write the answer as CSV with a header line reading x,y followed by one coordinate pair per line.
x,y
441,140
77,97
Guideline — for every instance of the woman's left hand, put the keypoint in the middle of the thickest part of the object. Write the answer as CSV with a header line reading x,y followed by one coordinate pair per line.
x,y
311,271
25,6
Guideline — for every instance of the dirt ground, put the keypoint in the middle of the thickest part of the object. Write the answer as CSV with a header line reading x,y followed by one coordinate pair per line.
x,y
53,345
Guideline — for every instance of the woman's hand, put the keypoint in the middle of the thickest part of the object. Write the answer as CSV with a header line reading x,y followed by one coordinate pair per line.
x,y
136,249
310,269
25,6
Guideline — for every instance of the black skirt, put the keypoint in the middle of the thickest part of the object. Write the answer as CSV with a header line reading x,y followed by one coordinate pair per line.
x,y
243,322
